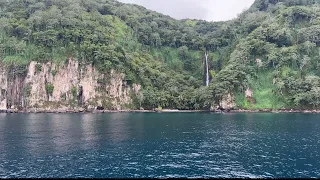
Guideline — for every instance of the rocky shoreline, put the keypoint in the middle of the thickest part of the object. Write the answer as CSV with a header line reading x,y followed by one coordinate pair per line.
x,y
97,111
276,111
81,110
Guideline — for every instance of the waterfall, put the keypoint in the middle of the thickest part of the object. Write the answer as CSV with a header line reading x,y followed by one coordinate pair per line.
x,y
207,67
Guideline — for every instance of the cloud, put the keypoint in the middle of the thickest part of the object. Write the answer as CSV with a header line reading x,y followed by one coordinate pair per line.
x,y
222,10
210,10
176,8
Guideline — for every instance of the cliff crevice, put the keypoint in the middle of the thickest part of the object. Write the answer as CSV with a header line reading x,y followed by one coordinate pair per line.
x,y
68,85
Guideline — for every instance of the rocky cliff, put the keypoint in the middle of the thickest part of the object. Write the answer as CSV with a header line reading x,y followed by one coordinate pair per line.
x,y
227,103
68,85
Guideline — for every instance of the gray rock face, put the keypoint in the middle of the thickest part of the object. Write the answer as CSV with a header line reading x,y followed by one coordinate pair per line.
x,y
63,86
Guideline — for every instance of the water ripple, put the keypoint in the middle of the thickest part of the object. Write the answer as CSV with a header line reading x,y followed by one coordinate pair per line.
x,y
159,146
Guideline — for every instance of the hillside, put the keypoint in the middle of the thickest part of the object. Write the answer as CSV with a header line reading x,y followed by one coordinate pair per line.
x,y
121,56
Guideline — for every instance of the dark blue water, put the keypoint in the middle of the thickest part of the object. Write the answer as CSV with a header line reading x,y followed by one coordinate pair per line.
x,y
159,145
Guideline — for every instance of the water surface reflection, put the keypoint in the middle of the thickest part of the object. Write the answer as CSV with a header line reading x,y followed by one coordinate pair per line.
x,y
159,145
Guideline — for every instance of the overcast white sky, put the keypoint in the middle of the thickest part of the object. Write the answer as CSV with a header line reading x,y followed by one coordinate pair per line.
x,y
210,10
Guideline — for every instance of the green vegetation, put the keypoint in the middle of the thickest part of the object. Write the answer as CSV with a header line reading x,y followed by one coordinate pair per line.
x,y
74,92
49,89
272,48
263,94
38,68
27,90
54,73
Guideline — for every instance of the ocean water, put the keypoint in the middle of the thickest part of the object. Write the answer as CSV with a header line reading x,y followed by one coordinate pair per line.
x,y
159,145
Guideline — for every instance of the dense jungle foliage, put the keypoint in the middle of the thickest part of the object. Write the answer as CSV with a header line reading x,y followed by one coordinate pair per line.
x,y
272,48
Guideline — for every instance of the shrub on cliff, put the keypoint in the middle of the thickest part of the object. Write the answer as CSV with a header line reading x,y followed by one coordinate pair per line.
x,y
49,89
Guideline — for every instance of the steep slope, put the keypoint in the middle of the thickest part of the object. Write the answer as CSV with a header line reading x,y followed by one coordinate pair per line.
x,y
100,35
64,86
278,59
119,56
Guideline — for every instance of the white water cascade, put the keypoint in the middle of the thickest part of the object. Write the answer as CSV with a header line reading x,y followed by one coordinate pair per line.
x,y
207,67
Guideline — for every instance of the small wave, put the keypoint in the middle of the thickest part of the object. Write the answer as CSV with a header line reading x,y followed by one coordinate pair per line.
x,y
133,163
175,166
195,154
245,175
